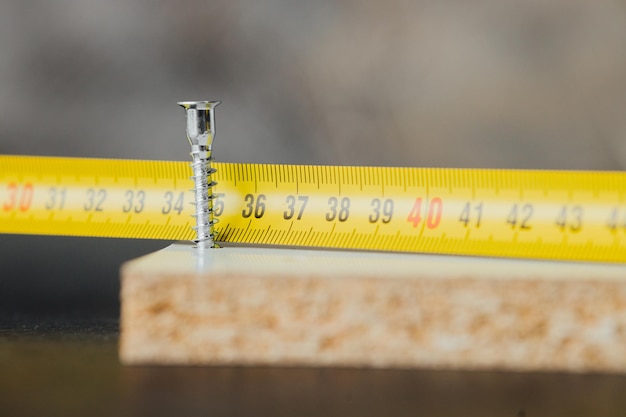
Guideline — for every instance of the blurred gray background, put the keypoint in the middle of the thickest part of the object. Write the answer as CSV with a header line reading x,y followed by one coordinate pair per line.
x,y
489,83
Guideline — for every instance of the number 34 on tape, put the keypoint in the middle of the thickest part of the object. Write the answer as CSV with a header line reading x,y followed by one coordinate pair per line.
x,y
511,213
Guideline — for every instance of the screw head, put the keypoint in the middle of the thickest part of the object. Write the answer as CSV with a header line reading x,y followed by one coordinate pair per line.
x,y
200,122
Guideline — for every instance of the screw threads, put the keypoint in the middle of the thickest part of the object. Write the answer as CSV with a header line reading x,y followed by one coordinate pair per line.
x,y
200,132
203,184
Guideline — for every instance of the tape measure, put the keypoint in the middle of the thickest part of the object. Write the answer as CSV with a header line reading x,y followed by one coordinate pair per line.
x,y
509,213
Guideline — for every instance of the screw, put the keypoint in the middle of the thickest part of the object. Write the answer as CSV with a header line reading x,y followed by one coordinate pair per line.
x,y
201,132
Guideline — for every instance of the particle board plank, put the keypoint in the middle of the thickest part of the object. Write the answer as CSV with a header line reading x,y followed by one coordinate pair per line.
x,y
294,307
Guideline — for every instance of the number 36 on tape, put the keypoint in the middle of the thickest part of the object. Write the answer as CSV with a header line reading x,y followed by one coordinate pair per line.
x,y
511,213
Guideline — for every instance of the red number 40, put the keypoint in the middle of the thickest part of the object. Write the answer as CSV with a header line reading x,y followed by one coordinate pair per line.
x,y
433,213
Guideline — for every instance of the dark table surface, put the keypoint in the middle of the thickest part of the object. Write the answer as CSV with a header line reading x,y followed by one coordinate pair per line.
x,y
58,357
69,367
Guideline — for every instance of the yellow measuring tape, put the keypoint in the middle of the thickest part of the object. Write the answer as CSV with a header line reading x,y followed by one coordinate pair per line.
x,y
511,213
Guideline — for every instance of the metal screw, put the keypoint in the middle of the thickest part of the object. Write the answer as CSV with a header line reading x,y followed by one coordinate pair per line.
x,y
201,132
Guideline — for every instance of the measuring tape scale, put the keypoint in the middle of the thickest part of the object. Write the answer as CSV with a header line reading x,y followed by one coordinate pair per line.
x,y
511,213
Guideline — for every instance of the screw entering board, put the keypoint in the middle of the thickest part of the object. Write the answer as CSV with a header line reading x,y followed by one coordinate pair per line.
x,y
201,132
